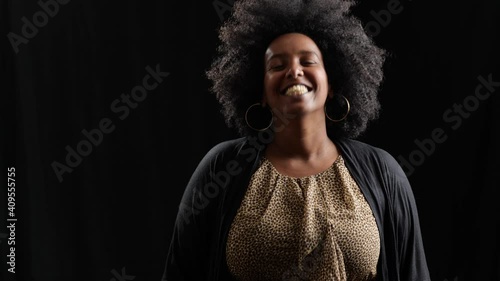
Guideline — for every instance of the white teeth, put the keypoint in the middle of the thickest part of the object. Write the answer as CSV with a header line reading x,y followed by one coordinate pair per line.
x,y
296,90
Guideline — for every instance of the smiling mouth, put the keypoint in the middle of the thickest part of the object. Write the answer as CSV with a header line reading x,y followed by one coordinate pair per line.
x,y
296,90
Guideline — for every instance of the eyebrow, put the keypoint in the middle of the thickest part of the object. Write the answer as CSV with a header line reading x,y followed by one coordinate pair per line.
x,y
302,52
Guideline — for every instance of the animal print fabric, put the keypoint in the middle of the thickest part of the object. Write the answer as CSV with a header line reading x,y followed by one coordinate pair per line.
x,y
317,227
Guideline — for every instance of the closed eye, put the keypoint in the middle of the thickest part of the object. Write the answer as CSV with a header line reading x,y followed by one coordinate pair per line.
x,y
277,67
308,62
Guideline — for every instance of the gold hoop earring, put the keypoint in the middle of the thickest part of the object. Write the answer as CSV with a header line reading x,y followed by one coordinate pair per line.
x,y
252,127
343,117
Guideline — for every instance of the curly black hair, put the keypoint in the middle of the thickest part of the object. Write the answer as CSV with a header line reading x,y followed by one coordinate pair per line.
x,y
353,63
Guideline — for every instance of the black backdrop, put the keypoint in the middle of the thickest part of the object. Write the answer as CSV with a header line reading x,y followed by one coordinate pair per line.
x,y
112,215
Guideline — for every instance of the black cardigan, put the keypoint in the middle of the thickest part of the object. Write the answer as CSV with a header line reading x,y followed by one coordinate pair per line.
x,y
217,186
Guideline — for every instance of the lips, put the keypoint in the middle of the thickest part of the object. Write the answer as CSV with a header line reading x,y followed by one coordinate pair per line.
x,y
296,90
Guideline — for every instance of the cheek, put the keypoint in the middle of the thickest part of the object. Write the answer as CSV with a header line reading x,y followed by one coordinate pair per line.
x,y
322,78
270,82
266,87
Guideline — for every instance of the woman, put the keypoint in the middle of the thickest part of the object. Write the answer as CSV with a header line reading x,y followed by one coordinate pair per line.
x,y
296,197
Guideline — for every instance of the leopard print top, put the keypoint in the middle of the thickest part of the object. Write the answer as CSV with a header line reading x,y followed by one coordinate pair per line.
x,y
317,227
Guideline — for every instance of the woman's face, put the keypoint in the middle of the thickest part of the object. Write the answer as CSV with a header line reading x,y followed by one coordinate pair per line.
x,y
295,79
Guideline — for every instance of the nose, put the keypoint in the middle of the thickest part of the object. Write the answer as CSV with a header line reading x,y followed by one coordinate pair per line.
x,y
295,71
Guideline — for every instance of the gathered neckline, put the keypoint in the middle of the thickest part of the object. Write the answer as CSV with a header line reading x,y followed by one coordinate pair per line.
x,y
339,158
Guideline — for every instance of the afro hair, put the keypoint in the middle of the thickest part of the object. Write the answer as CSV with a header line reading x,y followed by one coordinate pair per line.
x,y
354,64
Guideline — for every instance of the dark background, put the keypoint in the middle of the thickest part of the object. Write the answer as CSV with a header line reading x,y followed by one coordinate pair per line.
x,y
115,211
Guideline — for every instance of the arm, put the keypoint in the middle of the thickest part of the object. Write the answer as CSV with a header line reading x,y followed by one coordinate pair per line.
x,y
188,254
409,245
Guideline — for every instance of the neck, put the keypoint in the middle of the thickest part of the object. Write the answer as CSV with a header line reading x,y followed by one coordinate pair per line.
x,y
302,138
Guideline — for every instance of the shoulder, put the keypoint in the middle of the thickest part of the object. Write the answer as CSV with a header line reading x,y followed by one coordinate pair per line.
x,y
377,170
226,147
370,156
223,152
364,150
